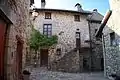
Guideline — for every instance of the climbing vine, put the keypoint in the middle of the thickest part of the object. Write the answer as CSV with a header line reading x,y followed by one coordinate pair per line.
x,y
39,40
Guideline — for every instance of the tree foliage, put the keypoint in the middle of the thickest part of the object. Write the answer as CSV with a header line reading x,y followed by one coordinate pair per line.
x,y
39,40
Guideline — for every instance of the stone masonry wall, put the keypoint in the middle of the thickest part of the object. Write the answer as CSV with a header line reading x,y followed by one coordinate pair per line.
x,y
19,15
64,22
112,53
68,63
97,51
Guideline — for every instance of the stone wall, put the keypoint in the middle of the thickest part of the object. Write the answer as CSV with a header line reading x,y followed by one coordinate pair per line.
x,y
19,16
64,21
96,44
68,63
112,52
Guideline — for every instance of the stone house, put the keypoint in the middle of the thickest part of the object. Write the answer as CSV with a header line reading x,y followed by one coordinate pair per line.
x,y
14,32
65,24
111,38
94,21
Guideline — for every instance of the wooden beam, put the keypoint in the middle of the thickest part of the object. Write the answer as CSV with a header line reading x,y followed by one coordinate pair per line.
x,y
103,23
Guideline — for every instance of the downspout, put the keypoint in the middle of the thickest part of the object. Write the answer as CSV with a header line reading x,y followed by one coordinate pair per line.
x,y
104,54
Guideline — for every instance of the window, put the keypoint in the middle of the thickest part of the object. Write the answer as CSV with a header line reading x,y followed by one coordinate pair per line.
x,y
112,39
95,30
47,29
77,17
47,15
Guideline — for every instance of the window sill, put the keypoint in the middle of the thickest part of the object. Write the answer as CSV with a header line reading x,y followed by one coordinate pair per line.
x,y
77,21
47,18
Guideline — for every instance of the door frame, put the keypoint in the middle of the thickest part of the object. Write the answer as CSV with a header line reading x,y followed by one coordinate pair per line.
x,y
19,54
8,22
41,56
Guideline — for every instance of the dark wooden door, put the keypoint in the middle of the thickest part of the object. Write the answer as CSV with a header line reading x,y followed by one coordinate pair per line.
x,y
102,64
44,57
2,44
19,60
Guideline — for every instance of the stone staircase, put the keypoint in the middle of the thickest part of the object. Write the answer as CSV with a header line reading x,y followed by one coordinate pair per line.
x,y
68,63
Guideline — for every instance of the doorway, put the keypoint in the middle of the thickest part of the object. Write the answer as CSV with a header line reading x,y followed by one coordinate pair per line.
x,y
2,47
44,57
19,58
102,64
86,65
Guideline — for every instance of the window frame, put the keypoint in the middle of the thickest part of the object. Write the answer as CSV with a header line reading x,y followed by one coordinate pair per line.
x,y
96,30
47,30
48,15
77,18
112,39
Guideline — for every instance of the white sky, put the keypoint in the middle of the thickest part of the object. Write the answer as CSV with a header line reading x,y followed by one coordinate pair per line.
x,y
101,5
58,4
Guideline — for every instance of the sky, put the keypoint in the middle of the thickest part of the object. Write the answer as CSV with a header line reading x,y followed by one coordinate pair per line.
x,y
101,5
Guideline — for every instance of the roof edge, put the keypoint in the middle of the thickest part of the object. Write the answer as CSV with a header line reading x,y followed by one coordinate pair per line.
x,y
46,9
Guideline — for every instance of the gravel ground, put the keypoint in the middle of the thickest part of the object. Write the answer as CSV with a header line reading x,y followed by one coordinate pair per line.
x,y
43,74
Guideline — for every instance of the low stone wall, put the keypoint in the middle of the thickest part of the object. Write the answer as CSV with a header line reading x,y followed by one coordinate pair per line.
x,y
68,63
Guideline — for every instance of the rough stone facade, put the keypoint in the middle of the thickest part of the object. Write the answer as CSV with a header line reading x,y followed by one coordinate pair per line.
x,y
96,44
112,52
17,12
64,22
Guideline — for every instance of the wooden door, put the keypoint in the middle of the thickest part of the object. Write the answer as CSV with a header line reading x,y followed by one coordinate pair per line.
x,y
2,46
19,60
44,57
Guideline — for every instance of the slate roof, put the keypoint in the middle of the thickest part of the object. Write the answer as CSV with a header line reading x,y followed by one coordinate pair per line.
x,y
96,16
63,10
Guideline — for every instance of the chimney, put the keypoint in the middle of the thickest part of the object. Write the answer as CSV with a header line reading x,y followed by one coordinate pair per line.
x,y
43,3
94,10
79,7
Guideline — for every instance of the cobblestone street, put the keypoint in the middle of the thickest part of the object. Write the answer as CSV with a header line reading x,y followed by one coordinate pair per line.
x,y
42,74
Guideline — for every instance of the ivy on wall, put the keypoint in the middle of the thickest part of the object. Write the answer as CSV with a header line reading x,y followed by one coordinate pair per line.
x,y
39,40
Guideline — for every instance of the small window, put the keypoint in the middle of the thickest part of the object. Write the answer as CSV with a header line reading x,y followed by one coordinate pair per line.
x,y
112,39
95,30
77,17
47,29
47,15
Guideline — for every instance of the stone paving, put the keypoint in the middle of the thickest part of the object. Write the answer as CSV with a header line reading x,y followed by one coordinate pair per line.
x,y
43,74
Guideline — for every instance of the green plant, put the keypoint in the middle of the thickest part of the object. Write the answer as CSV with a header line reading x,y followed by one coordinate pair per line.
x,y
39,40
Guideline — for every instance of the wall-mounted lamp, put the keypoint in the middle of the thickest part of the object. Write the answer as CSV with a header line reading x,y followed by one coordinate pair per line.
x,y
61,33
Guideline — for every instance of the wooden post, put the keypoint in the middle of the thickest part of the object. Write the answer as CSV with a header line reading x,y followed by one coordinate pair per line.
x,y
78,46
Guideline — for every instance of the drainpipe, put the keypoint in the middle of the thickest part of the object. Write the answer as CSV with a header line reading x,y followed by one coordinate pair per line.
x,y
104,54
